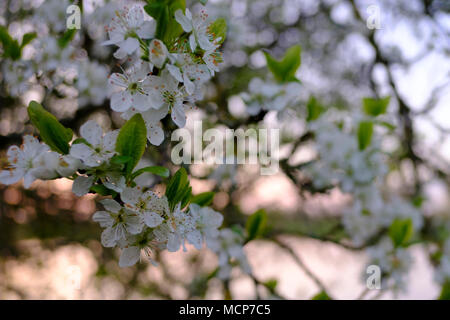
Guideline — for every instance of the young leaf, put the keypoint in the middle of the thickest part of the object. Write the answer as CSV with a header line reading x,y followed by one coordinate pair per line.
x,y
365,131
284,70
178,189
203,199
322,295
11,48
256,224
66,38
52,132
131,141
163,11
160,171
120,159
375,107
27,38
445,292
401,232
102,190
314,108
219,29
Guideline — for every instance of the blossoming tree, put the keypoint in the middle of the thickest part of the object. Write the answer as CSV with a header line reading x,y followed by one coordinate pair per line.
x,y
165,55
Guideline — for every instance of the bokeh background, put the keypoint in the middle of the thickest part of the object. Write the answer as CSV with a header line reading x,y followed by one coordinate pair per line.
x,y
50,248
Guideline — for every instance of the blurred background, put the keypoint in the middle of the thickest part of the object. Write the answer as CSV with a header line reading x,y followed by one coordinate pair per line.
x,y
49,246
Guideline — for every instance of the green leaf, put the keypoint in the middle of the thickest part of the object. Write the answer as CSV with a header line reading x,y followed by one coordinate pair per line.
x,y
271,284
81,140
27,38
314,108
401,232
52,132
66,38
163,11
445,292
131,142
178,189
203,199
102,190
365,132
322,295
256,224
385,124
203,2
160,171
11,48
284,70
219,29
120,159
375,107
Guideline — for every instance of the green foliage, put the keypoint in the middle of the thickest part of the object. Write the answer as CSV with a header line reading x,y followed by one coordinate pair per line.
x,y
160,171
52,132
163,11
131,142
103,191
203,2
119,159
445,292
219,29
401,232
256,224
314,108
375,107
203,199
27,38
66,38
11,47
271,284
178,189
322,295
284,70
365,132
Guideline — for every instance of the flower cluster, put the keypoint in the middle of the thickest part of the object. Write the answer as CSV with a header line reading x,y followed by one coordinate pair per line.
x,y
145,222
169,79
34,160
162,79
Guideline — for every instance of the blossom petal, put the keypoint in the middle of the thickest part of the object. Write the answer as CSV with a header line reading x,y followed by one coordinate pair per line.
x,y
129,257
185,23
11,176
192,42
195,238
130,45
152,219
92,132
103,218
147,29
121,101
81,151
178,115
81,185
130,196
108,238
111,205
175,72
173,242
155,134
141,102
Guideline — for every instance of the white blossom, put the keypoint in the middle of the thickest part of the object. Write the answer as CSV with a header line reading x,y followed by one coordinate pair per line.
x,y
198,27
126,29
100,148
117,221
